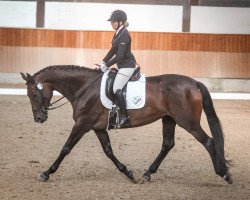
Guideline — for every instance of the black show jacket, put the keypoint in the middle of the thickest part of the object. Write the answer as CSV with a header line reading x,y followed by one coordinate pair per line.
x,y
121,48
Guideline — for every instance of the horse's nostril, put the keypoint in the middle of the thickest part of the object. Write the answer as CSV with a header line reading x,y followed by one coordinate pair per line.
x,y
39,119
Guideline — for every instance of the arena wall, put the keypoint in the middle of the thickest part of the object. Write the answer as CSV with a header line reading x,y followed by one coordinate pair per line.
x,y
192,54
77,33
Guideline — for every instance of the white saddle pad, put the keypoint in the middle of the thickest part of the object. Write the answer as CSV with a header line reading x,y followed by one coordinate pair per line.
x,y
135,93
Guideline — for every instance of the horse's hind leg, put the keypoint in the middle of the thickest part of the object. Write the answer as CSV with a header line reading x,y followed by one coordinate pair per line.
x,y
74,137
106,145
168,143
219,167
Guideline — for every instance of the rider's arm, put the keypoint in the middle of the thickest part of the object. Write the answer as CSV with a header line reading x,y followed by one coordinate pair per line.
x,y
109,55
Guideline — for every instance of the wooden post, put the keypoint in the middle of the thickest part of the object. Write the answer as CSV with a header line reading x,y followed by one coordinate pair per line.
x,y
40,13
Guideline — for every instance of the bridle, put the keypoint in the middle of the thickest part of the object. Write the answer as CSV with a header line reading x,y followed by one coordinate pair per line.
x,y
44,108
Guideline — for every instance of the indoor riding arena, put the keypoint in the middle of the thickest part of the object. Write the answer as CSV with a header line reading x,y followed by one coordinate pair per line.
x,y
207,40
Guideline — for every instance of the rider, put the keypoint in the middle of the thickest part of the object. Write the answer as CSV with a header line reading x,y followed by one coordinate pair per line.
x,y
125,60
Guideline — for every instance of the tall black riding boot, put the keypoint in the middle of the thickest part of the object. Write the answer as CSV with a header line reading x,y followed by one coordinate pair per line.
x,y
120,100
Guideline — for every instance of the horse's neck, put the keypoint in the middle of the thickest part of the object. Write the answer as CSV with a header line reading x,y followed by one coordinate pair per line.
x,y
68,84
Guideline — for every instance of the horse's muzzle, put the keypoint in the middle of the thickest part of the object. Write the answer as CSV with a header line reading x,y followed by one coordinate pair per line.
x,y
41,117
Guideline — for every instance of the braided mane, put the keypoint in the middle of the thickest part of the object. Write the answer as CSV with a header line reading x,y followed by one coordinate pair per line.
x,y
65,68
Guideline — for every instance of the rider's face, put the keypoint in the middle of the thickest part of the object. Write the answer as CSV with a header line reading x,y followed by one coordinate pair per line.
x,y
114,25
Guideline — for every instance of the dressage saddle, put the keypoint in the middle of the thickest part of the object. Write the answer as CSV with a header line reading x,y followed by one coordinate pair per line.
x,y
110,82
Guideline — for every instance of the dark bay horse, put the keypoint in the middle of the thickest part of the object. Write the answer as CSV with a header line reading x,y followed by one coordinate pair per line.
x,y
176,99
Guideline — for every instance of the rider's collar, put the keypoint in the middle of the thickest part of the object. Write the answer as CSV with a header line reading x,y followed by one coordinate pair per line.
x,y
118,30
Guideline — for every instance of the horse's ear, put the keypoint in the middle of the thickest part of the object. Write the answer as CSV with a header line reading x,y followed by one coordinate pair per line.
x,y
24,77
30,79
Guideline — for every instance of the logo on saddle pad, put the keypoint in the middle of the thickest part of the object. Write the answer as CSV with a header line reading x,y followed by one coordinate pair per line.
x,y
135,96
137,100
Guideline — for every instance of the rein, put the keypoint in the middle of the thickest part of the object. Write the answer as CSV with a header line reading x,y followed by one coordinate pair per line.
x,y
51,104
56,102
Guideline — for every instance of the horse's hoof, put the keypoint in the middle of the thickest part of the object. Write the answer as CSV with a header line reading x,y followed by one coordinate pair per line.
x,y
228,178
42,177
131,176
146,177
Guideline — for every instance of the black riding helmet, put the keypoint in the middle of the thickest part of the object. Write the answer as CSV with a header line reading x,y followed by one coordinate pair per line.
x,y
117,16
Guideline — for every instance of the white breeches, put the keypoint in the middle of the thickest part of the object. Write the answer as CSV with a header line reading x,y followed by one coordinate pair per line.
x,y
122,78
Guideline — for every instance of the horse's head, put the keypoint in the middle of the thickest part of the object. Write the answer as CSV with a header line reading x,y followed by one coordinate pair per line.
x,y
40,95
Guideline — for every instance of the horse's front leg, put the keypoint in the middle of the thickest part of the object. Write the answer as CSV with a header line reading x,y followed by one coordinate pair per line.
x,y
106,145
76,134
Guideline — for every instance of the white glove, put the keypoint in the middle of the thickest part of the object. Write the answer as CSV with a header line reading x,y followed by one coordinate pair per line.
x,y
103,66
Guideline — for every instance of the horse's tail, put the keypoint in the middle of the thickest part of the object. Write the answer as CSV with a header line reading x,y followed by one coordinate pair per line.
x,y
214,125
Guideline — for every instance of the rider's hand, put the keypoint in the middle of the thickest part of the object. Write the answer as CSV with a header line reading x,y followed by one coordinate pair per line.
x,y
103,66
